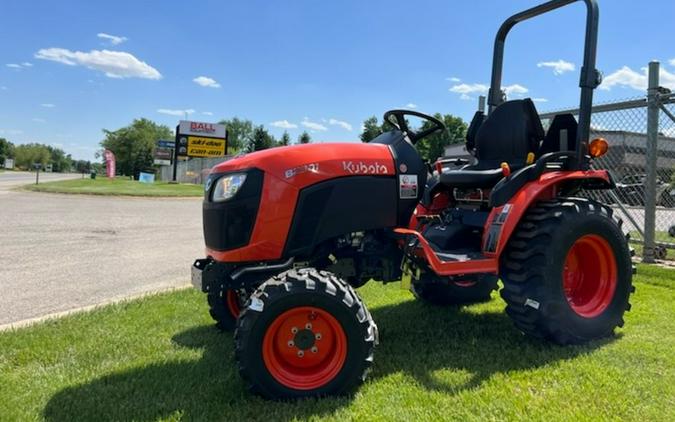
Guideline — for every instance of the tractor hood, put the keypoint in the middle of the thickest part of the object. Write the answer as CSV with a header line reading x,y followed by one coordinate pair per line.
x,y
302,165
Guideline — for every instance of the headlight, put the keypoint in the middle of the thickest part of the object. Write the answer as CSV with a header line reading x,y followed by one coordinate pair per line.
x,y
228,186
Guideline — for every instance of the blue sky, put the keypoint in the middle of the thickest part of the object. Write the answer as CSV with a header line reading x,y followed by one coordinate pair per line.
x,y
72,68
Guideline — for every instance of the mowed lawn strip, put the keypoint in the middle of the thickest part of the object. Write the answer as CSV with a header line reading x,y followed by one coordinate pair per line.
x,y
118,186
160,358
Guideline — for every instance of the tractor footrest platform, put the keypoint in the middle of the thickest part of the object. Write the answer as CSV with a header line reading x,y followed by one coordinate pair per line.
x,y
459,256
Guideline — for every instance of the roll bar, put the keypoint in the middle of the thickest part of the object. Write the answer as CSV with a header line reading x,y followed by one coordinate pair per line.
x,y
590,77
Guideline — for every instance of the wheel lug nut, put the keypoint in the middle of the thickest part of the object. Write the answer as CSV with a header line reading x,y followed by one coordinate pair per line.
x,y
317,336
314,349
301,353
291,343
294,330
308,326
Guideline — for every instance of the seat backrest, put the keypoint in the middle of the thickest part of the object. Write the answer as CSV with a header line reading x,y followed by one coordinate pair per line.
x,y
508,134
561,135
475,124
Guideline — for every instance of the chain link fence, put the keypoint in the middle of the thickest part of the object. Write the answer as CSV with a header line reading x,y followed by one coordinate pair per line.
x,y
641,160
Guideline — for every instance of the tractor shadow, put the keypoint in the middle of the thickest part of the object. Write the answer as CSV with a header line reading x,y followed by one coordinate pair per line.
x,y
447,350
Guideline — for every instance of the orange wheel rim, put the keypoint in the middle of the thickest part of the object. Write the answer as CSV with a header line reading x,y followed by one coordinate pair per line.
x,y
232,302
590,276
304,348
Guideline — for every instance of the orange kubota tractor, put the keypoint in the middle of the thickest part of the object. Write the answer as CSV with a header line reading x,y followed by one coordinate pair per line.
x,y
291,231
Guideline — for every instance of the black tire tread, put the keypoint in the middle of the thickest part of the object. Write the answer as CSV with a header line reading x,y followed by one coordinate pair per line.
x,y
524,262
452,295
297,281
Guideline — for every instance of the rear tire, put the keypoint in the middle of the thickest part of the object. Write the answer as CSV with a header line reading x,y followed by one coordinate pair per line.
x,y
305,333
225,307
567,272
456,292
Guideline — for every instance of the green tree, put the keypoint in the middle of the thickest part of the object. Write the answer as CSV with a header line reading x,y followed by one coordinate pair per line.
x,y
261,139
6,150
304,138
133,145
28,154
239,133
61,162
433,146
285,139
371,129
82,166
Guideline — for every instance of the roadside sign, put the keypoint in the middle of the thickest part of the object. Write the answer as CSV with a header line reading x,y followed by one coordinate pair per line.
x,y
109,163
163,143
211,130
163,153
198,139
198,146
9,163
159,162
146,177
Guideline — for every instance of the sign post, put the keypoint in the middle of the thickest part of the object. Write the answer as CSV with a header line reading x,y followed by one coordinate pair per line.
x,y
198,139
37,167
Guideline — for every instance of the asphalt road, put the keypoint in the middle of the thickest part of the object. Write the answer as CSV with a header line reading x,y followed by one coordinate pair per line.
x,y
11,179
63,252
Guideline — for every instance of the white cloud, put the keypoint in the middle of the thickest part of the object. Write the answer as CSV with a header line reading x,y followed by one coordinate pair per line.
x,y
313,125
115,64
114,39
514,89
540,100
207,113
453,79
672,62
284,124
344,125
206,81
27,64
627,77
47,105
13,65
38,120
411,105
559,66
11,131
173,112
465,97
469,88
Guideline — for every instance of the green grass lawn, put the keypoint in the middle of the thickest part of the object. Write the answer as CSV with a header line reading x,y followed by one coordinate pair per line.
x,y
118,186
160,358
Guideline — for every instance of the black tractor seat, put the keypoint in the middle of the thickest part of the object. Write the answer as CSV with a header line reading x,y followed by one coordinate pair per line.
x,y
479,179
508,134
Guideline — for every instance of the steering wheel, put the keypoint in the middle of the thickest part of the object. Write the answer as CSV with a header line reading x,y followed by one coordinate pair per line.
x,y
402,125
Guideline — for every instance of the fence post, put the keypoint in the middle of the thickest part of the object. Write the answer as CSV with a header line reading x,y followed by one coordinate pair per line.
x,y
650,182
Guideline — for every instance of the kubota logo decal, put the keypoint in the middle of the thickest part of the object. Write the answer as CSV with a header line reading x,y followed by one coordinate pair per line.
x,y
364,168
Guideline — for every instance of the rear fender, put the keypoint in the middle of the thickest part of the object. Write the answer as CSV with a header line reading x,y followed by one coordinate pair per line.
x,y
503,219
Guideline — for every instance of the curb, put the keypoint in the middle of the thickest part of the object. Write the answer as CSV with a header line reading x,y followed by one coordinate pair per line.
x,y
85,309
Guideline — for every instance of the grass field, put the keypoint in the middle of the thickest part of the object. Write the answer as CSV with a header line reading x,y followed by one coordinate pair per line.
x,y
160,358
118,186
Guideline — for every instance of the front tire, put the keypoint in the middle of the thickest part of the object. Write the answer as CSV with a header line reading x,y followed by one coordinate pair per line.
x,y
454,293
567,272
225,307
305,333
